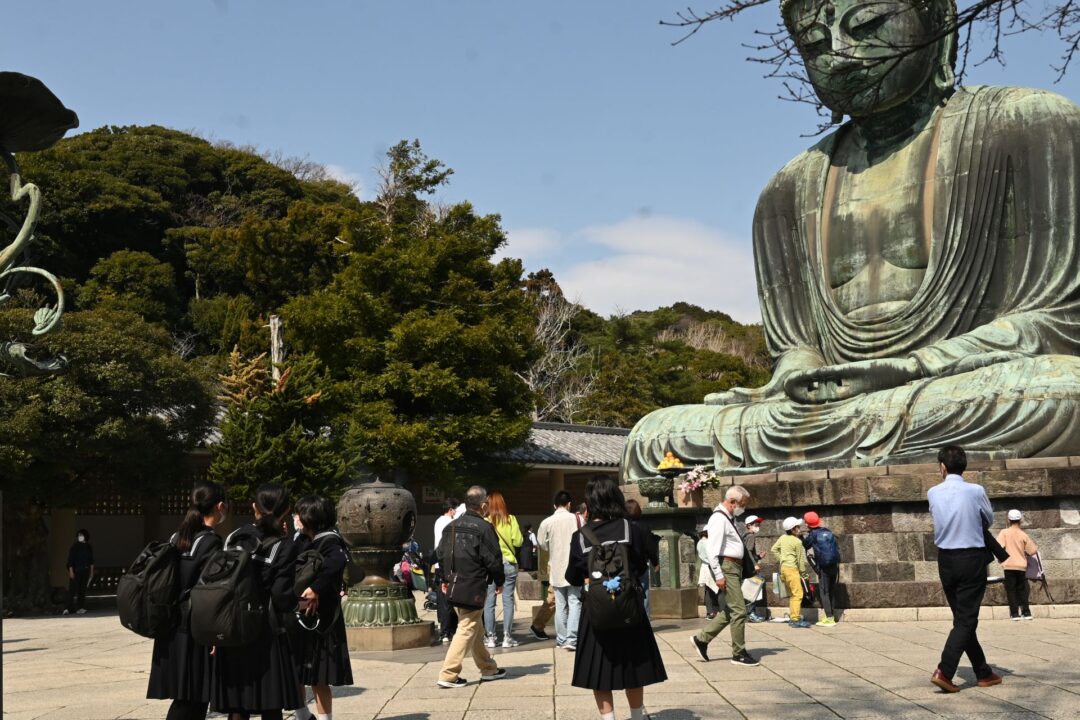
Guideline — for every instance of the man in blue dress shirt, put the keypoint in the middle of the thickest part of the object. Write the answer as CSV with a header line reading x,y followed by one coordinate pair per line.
x,y
961,512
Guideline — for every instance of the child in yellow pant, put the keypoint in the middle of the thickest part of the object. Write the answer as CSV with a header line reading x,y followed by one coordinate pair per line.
x,y
789,553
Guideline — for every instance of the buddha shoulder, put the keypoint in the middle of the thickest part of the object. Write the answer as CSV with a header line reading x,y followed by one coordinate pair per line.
x,y
1014,107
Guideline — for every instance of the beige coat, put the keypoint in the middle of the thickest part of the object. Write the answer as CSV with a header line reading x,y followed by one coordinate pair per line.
x,y
554,536
1019,546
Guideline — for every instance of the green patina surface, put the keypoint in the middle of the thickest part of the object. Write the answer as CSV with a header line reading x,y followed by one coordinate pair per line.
x,y
918,269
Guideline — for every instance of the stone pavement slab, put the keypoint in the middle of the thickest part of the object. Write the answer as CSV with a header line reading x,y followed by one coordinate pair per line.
x,y
89,668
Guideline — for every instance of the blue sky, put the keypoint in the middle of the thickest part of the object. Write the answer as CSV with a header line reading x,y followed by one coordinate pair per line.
x,y
628,166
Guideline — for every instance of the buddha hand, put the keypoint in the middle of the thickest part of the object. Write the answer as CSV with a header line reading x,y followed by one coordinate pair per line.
x,y
840,382
738,395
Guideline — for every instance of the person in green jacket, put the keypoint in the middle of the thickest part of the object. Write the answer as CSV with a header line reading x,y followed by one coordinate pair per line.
x,y
510,539
789,553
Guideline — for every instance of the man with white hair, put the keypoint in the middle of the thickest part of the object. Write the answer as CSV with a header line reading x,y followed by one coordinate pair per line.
x,y
725,555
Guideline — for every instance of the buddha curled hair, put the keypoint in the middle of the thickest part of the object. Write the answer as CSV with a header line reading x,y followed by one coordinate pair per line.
x,y
941,14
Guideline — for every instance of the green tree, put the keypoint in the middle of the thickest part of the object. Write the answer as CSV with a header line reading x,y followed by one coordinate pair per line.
x,y
277,431
132,281
117,421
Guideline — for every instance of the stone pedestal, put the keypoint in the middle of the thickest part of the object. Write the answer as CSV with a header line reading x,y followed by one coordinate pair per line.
x,y
390,637
673,603
886,534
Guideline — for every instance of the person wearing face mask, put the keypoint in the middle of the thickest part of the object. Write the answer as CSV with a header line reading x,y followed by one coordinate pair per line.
x,y
180,669
789,553
725,556
756,611
80,566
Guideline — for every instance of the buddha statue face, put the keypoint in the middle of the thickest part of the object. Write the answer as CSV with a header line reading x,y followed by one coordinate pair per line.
x,y
867,56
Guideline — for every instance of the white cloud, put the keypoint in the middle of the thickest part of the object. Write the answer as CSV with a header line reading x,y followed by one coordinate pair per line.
x,y
533,245
336,172
646,262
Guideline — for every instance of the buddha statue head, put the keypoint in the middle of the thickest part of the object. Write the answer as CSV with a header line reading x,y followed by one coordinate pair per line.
x,y
865,57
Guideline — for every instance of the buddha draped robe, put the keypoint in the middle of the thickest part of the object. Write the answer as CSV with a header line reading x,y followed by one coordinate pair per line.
x,y
1002,209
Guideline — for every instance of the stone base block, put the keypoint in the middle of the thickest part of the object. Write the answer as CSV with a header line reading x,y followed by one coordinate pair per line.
x,y
393,637
673,603
528,587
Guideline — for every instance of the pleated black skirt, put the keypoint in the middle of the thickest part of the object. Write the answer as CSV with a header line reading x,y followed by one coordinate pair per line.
x,y
616,660
258,677
179,669
326,656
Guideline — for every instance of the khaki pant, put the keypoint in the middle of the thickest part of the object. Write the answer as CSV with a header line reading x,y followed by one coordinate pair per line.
x,y
793,581
547,610
734,612
468,638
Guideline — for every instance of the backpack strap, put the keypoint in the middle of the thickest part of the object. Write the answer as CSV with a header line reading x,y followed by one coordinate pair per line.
x,y
588,534
195,542
271,547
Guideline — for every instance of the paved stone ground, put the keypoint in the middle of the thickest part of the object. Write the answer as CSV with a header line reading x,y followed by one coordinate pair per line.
x,y
88,668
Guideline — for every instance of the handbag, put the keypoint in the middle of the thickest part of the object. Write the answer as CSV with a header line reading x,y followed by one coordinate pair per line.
x,y
469,591
1035,569
753,588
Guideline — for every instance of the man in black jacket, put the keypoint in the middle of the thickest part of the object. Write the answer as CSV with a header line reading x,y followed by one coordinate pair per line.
x,y
470,558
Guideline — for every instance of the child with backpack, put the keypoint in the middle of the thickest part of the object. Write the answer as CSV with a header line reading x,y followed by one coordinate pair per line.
x,y
180,668
261,676
616,648
323,649
826,558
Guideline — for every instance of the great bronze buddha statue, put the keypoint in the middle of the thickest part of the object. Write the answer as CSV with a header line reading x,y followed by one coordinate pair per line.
x,y
918,269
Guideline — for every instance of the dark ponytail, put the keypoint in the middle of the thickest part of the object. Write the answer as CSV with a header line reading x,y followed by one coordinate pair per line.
x,y
204,498
272,501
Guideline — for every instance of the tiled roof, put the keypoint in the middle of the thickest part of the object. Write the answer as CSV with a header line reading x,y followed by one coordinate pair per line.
x,y
560,444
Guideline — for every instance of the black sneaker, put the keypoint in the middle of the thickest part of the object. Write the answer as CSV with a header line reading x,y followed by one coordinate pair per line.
x,y
701,648
744,658
460,682
538,633
497,675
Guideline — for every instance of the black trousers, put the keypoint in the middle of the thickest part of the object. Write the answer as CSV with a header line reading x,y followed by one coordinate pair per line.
x,y
1018,591
828,577
77,590
444,612
712,603
963,578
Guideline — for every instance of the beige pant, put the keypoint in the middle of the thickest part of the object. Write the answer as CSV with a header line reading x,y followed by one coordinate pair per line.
x,y
469,637
547,610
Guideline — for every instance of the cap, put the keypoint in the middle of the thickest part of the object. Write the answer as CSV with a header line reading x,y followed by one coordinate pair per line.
x,y
1014,514
791,522
751,519
811,519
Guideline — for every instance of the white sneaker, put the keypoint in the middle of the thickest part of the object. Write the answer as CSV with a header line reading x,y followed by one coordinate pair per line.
x,y
489,641
1026,617
509,642
66,612
80,611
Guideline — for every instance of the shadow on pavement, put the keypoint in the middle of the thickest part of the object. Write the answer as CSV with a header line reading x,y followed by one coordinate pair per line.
x,y
674,714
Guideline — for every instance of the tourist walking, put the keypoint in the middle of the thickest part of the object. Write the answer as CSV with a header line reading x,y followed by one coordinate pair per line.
x,y
444,613
180,669
554,536
262,677
705,577
626,658
821,543
962,514
789,553
509,535
471,560
323,649
757,611
80,567
1020,547
726,552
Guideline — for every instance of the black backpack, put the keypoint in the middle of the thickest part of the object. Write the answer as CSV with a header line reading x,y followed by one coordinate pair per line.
x,y
148,595
613,598
526,555
230,606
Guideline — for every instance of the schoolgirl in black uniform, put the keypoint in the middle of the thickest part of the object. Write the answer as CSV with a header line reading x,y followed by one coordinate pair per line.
x,y
262,678
180,669
608,660
324,653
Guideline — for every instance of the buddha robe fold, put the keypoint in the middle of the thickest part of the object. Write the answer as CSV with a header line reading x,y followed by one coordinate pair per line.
x,y
994,325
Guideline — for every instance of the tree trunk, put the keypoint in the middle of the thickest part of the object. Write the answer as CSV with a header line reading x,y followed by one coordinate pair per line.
x,y
26,555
